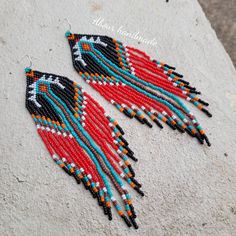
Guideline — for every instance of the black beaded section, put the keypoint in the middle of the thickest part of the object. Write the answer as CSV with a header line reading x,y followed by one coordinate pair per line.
x,y
66,95
92,66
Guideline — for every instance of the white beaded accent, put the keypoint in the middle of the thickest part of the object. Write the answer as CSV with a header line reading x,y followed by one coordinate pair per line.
x,y
123,187
113,199
122,175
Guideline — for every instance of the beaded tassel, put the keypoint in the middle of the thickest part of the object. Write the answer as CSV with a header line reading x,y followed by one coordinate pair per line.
x,y
137,85
83,140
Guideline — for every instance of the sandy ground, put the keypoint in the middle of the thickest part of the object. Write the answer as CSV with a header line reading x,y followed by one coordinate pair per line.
x,y
190,189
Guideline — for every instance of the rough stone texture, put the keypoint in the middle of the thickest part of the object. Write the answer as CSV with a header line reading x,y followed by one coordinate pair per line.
x,y
222,16
190,189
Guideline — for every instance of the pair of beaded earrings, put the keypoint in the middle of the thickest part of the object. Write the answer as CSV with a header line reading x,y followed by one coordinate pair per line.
x,y
83,139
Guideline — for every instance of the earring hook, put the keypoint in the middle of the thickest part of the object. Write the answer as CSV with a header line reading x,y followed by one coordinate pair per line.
x,y
29,58
65,19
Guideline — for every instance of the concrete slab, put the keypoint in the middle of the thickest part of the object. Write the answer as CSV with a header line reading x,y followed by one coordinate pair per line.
x,y
223,20
190,189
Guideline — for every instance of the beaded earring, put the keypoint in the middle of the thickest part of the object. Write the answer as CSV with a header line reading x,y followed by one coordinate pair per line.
x,y
83,140
136,84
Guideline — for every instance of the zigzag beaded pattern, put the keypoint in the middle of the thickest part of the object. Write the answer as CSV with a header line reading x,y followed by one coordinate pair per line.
x,y
136,84
83,140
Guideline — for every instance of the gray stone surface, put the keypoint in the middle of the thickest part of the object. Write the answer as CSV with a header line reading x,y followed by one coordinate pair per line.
x,y
222,16
190,189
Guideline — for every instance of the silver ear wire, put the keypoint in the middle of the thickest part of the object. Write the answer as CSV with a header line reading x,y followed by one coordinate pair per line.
x,y
65,19
29,58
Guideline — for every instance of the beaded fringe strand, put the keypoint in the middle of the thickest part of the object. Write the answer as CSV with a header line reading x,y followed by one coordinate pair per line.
x,y
83,140
136,84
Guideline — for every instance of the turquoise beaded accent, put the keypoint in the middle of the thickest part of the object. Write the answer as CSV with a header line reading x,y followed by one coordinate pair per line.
x,y
27,69
67,34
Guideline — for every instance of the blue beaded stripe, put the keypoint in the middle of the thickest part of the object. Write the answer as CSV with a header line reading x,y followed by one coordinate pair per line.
x,y
179,113
83,145
136,78
92,143
81,142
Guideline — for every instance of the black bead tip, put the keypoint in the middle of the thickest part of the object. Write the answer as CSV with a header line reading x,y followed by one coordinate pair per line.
x,y
127,113
206,139
129,150
147,122
207,112
158,123
170,67
177,74
120,129
171,126
132,157
189,132
133,222
78,180
136,182
131,170
183,81
126,220
105,209
67,170
139,191
201,141
124,141
203,102
132,210
139,119
109,213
